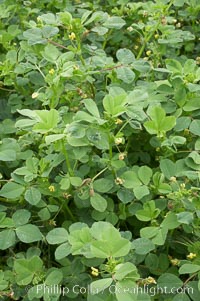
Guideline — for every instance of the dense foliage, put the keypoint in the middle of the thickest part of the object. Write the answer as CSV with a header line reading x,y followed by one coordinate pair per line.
x,y
99,152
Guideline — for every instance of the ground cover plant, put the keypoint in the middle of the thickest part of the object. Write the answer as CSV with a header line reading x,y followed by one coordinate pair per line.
x,y
99,151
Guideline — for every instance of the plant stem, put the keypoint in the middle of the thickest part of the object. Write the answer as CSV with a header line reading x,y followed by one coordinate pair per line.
x,y
69,212
97,175
146,40
71,173
57,44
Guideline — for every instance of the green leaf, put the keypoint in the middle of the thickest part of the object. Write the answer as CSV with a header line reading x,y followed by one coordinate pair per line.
x,y
174,66
170,222
130,179
7,239
185,217
28,233
62,251
125,56
126,290
26,268
57,236
21,217
115,105
91,107
188,268
156,234
125,195
142,246
12,190
76,181
159,122
126,270
169,281
98,202
125,74
103,185
145,174
50,53
195,127
104,230
48,121
54,278
34,36
168,168
181,297
100,285
141,191
114,22
110,248
32,196
52,138
149,212
7,154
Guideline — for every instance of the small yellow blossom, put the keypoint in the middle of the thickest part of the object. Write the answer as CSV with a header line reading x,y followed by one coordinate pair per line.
x,y
198,60
118,121
72,36
94,272
119,181
51,188
173,179
130,28
178,25
150,280
122,156
174,261
35,95
148,53
118,141
51,71
182,185
76,67
156,36
191,256
136,47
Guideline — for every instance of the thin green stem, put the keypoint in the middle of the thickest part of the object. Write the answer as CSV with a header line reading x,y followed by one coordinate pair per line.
x,y
106,39
123,126
110,149
97,175
69,212
64,150
146,40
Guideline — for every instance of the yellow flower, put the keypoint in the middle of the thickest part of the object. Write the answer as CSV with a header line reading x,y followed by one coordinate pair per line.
x,y
35,95
51,71
173,179
191,256
150,280
122,156
118,141
119,181
118,121
51,188
72,36
94,272
148,53
182,185
130,28
175,261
